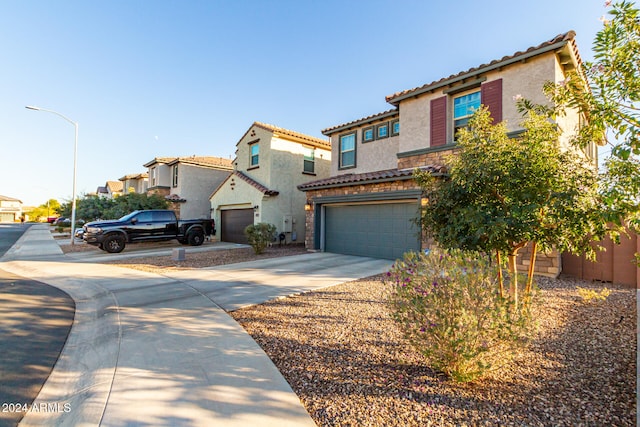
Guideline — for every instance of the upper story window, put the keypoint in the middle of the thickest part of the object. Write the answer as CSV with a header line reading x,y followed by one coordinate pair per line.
x,y
382,130
254,152
347,149
153,177
463,108
367,134
175,175
309,160
395,127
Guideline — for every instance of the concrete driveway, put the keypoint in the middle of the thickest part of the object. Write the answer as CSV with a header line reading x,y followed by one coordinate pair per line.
x,y
150,349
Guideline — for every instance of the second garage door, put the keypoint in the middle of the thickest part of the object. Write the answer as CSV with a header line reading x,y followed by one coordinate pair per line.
x,y
234,221
385,230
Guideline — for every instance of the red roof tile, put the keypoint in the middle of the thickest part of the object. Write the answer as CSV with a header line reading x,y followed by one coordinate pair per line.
x,y
368,177
372,118
554,43
255,183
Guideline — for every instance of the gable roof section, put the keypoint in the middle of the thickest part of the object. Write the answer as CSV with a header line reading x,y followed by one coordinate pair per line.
x,y
158,160
9,199
359,122
206,161
143,175
290,135
557,43
114,186
255,184
369,177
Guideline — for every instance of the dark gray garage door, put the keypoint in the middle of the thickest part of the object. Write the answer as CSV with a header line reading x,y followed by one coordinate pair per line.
x,y
234,222
383,230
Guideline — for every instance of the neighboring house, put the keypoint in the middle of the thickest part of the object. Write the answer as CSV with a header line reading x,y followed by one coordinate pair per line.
x,y
187,182
102,192
114,189
135,183
369,204
270,163
10,209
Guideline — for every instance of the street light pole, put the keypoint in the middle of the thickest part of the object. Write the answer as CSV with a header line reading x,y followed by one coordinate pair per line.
x,y
75,165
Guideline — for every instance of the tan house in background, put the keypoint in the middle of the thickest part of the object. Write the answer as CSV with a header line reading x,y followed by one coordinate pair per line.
x,y
135,183
187,182
369,204
270,163
10,209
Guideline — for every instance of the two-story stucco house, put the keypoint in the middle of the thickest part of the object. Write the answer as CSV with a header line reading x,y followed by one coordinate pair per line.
x,y
369,204
135,183
187,182
270,163
10,209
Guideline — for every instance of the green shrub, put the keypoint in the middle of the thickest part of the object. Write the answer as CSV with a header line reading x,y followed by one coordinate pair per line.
x,y
448,306
260,235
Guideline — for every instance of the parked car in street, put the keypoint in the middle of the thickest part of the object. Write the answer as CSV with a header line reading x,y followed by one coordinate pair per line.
x,y
146,225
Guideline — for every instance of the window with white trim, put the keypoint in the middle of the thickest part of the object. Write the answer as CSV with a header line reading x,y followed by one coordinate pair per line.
x,y
348,150
463,108
309,160
254,150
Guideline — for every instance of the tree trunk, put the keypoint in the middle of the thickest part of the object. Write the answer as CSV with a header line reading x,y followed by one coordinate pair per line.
x,y
500,281
513,272
532,266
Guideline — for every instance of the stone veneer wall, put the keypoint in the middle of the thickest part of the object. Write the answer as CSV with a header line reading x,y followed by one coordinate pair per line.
x,y
426,159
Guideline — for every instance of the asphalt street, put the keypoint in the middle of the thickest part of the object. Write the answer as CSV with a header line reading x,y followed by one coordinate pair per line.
x,y
35,320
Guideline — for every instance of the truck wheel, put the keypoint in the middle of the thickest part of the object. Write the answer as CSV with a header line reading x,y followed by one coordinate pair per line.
x,y
196,237
183,241
113,244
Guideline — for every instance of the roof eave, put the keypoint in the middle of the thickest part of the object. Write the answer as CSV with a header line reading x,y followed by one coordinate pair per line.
x,y
395,100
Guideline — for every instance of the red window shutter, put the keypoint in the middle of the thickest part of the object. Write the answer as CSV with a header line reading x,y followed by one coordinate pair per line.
x,y
438,121
491,95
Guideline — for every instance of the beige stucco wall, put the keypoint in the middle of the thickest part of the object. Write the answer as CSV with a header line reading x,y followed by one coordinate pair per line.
x,y
163,174
376,155
195,184
525,79
280,168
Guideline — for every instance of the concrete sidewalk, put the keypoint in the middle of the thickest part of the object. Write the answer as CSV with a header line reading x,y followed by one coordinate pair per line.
x,y
147,349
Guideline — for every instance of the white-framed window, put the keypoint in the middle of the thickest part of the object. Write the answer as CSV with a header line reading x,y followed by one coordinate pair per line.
x,y
347,149
153,177
463,108
309,160
254,153
175,175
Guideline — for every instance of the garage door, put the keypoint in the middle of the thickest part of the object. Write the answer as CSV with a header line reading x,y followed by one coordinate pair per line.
x,y
6,217
383,230
234,221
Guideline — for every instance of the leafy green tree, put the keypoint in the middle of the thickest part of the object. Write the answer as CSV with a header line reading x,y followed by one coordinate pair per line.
x,y
502,193
49,208
607,92
92,207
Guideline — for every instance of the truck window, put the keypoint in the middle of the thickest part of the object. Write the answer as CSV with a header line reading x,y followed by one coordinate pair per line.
x,y
164,216
144,217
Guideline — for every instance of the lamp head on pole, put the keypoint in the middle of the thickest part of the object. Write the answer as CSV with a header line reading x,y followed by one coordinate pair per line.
x,y
31,107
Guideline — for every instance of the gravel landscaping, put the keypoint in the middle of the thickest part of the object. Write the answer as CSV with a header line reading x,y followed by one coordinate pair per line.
x,y
349,364
346,359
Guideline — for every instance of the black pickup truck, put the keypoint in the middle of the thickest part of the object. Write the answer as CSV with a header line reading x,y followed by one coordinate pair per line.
x,y
146,225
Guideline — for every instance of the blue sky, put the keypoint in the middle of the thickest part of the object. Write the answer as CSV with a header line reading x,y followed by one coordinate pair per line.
x,y
176,78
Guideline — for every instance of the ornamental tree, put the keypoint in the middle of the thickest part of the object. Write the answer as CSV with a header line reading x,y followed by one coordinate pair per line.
x,y
502,193
607,92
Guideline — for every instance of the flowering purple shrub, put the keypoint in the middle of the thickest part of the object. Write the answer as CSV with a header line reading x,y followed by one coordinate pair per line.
x,y
448,306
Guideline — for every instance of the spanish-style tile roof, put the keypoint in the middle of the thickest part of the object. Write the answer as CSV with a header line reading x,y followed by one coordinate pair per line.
x,y
359,122
135,176
114,186
175,198
369,177
550,45
323,143
215,162
255,184
9,199
158,160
